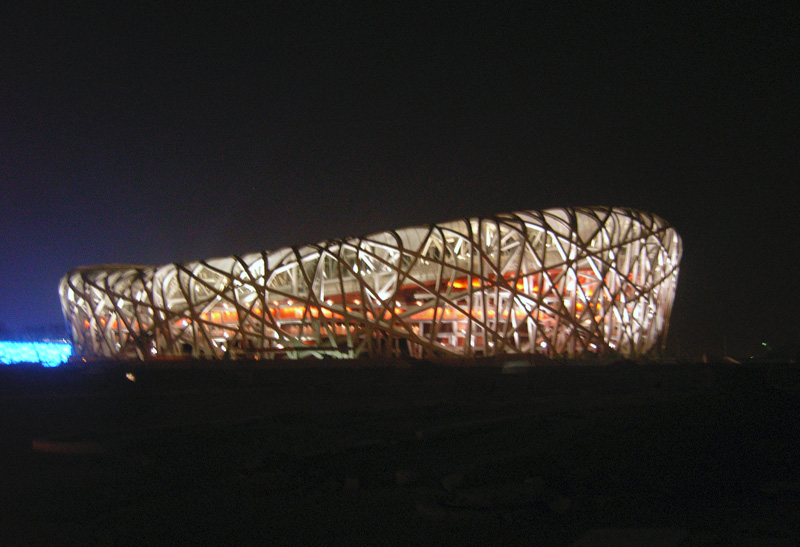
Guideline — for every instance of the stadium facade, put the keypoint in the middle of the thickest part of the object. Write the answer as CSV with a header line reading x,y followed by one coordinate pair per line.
x,y
560,282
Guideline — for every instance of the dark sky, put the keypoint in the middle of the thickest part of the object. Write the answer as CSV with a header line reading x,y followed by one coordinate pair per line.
x,y
152,134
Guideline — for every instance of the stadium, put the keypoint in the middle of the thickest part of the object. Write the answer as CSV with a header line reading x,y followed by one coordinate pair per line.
x,y
561,282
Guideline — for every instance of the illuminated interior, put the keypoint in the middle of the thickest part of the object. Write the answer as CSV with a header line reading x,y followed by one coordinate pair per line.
x,y
560,282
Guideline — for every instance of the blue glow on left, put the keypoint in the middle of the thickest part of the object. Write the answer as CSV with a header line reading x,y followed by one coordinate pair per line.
x,y
49,354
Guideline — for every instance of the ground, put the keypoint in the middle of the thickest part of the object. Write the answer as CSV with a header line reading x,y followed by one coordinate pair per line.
x,y
374,454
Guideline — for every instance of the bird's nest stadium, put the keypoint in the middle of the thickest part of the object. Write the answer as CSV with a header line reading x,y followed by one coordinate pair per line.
x,y
559,282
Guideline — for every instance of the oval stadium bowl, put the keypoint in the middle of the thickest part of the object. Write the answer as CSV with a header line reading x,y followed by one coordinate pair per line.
x,y
560,282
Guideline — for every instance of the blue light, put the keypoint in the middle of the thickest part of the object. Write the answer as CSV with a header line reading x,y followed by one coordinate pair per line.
x,y
49,354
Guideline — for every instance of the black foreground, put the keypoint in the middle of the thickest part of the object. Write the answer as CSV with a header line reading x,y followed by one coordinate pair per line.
x,y
691,454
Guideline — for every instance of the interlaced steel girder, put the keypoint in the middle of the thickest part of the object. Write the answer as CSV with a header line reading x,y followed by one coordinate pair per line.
x,y
560,282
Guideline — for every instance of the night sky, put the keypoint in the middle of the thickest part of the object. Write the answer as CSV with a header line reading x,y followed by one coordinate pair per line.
x,y
148,134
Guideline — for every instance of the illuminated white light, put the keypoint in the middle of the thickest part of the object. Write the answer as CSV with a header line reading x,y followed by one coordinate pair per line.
x,y
111,315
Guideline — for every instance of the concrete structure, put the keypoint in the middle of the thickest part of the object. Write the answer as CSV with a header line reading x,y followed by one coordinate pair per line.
x,y
561,282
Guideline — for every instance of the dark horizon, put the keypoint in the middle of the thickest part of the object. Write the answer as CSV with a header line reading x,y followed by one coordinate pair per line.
x,y
154,135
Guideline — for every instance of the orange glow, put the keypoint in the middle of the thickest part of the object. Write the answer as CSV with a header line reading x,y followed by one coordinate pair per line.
x,y
230,316
386,314
450,314
315,312
521,286
462,283
447,313
291,312
519,314
297,312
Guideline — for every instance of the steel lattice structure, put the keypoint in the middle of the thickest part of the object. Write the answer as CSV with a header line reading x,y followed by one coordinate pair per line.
x,y
561,282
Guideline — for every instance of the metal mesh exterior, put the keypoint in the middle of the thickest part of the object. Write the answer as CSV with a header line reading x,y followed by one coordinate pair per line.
x,y
561,282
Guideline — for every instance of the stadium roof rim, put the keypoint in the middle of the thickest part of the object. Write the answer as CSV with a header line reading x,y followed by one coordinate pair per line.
x,y
631,211
115,266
